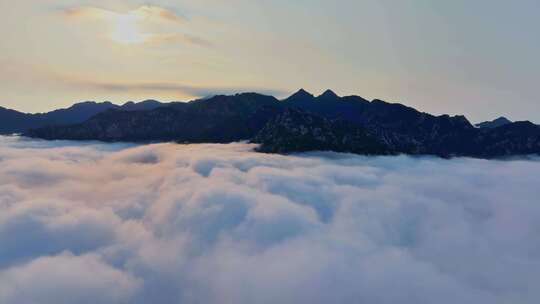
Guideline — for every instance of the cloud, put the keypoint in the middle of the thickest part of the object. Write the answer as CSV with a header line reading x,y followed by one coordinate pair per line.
x,y
178,88
166,223
144,25
179,38
143,12
86,12
148,11
66,278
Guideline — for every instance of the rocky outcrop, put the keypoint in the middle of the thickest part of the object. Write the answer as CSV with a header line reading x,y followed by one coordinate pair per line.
x,y
298,131
518,138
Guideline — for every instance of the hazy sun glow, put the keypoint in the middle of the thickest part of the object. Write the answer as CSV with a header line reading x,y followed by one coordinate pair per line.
x,y
125,29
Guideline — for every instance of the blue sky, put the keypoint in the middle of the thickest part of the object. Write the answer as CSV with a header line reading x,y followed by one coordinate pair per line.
x,y
458,57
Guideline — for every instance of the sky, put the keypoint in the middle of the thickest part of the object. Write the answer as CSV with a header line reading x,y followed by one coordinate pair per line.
x,y
477,58
88,222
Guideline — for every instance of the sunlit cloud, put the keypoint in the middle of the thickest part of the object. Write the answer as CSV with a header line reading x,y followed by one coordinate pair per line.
x,y
148,11
86,12
146,24
140,13
125,29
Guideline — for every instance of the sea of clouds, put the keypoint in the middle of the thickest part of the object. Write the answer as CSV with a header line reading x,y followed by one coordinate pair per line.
x,y
167,223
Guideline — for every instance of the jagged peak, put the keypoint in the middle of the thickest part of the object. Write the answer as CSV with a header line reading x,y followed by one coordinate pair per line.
x,y
301,93
501,121
328,94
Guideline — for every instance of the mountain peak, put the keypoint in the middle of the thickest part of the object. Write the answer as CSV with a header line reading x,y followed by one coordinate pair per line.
x,y
302,93
501,121
328,94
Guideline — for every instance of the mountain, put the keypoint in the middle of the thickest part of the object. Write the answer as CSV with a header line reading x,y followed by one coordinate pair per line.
x,y
218,119
501,121
518,138
142,106
304,122
294,130
400,127
12,121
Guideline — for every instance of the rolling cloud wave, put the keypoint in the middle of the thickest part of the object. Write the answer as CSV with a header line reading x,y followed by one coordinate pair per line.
x,y
165,223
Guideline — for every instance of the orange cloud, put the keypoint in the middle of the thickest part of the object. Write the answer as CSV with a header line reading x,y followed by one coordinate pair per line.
x,y
86,12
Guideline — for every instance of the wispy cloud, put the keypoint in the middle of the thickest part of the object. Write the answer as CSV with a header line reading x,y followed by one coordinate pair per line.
x,y
148,11
142,12
85,12
146,24
179,38
165,87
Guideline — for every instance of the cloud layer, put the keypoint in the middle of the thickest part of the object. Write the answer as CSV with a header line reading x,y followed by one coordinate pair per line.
x,y
165,223
190,90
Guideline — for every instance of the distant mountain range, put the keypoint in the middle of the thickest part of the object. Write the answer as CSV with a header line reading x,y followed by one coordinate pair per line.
x,y
302,122
499,122
12,121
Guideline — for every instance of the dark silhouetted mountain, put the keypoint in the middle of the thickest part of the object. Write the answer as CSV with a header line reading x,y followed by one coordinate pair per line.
x,y
501,121
300,95
76,113
299,131
518,138
373,126
142,106
301,99
218,119
12,121
328,95
400,127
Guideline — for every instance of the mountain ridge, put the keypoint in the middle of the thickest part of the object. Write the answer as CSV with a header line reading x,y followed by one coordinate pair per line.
x,y
304,122
498,122
13,121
